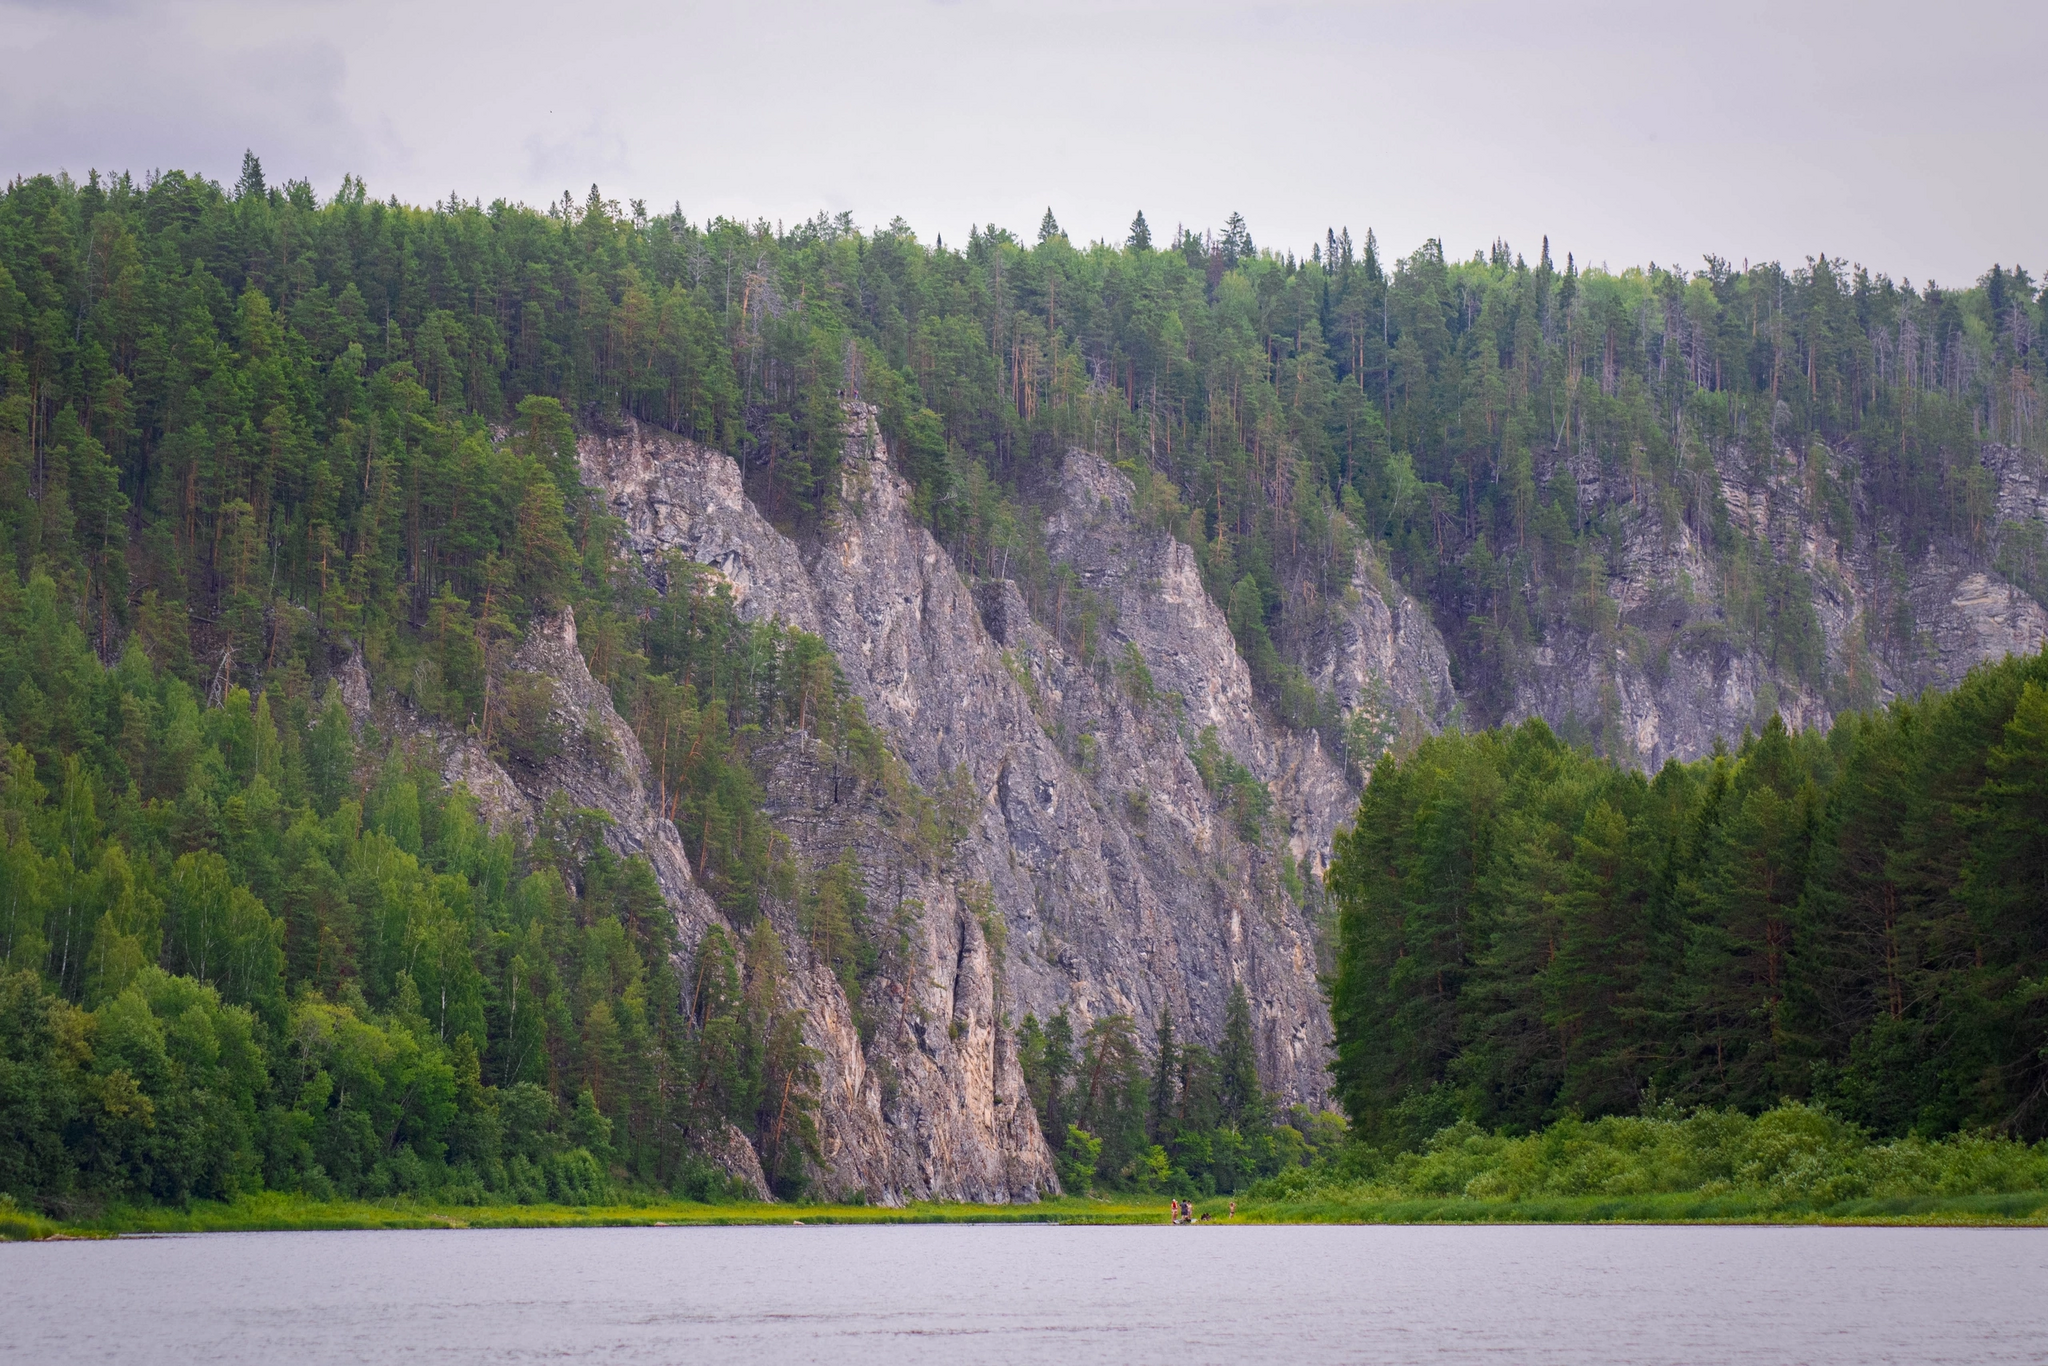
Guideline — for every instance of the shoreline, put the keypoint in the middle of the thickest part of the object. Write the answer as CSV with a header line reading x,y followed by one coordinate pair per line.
x,y
286,1213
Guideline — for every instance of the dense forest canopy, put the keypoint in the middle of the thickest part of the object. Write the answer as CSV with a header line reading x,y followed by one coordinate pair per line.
x,y
245,434
245,947
1530,932
245,406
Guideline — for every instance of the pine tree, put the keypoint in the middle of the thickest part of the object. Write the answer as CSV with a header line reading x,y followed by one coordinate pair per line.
x,y
1237,242
1166,1062
1244,1099
1059,1067
251,185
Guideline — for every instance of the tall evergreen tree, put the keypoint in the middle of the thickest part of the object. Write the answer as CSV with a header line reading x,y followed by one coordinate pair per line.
x,y
1237,1064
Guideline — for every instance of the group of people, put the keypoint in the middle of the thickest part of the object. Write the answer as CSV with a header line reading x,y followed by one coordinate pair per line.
x,y
1184,1212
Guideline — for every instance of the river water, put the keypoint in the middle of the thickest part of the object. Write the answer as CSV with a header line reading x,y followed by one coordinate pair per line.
x,y
1036,1294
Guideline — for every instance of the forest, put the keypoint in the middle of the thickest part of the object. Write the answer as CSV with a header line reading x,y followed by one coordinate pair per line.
x,y
1189,1121
233,386
249,950
246,432
1530,933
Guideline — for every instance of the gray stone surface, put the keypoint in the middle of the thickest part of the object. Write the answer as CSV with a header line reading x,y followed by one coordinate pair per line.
x,y
1120,883
932,1105
1098,872
945,1117
1678,675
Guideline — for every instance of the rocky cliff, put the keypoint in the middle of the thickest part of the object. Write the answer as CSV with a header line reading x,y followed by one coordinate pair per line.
x,y
931,1105
1666,664
1111,860
1122,880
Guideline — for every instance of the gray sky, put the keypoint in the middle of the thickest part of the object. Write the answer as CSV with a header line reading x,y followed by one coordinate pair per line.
x,y
1905,137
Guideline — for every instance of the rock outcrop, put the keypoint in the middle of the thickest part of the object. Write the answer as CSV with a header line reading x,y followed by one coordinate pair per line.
x,y
598,764
922,1094
1117,881
1365,651
1105,866
1372,646
934,1106
1674,668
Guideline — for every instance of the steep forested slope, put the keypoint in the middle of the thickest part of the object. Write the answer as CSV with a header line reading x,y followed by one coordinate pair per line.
x,y
1205,531
1515,439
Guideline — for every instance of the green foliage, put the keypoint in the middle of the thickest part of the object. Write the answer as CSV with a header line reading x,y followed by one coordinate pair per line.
x,y
752,1068
1527,931
245,435
1046,1055
243,951
1135,676
713,699
835,918
270,419
1789,1156
1191,1122
1237,1069
1079,1156
1243,795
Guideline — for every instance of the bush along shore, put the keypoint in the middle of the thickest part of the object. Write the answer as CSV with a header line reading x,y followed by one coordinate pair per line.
x,y
1791,1164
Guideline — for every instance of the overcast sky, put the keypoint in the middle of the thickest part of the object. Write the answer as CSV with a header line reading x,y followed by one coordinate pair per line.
x,y
1908,138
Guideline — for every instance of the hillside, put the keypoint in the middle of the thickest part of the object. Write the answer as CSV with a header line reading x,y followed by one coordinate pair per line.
x,y
817,711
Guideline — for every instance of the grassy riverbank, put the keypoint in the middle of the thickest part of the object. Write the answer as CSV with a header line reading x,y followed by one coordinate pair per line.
x,y
284,1212
2023,1208
274,1212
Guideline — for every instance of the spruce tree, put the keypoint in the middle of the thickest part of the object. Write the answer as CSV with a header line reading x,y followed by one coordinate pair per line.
x,y
1166,1061
1244,1099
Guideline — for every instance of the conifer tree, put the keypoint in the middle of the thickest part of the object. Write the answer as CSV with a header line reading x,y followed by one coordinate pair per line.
x,y
1237,1064
1165,1064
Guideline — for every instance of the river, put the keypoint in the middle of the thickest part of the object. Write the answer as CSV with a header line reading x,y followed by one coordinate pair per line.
x,y
965,1294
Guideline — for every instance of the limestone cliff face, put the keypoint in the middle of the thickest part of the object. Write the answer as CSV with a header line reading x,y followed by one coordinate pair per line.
x,y
1371,645
1156,600
1117,880
1099,871
1672,673
599,765
932,1104
931,1107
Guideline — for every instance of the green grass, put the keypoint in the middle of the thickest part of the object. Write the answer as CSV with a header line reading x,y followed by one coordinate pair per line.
x,y
2027,1207
290,1212
18,1226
